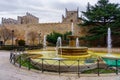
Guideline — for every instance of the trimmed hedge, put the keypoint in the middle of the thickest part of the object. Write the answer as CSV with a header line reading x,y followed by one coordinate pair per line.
x,y
20,48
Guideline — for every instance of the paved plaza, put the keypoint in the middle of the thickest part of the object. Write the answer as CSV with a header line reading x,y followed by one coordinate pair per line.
x,y
11,72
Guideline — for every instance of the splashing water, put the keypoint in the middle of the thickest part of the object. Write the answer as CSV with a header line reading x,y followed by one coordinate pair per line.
x,y
77,42
58,44
109,45
44,42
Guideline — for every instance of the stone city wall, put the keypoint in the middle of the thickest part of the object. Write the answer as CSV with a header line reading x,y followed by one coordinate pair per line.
x,y
22,30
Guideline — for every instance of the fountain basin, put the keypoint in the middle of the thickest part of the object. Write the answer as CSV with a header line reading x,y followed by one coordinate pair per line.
x,y
73,51
49,62
112,61
66,67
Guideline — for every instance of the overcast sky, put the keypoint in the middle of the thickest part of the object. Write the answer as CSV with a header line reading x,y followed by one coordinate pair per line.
x,y
46,10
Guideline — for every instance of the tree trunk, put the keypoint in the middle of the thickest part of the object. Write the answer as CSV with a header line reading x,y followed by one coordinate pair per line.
x,y
4,42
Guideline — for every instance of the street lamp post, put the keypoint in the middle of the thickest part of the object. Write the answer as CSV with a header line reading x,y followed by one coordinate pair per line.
x,y
12,38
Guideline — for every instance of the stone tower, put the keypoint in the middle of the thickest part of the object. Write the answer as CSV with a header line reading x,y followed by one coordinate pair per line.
x,y
28,19
71,16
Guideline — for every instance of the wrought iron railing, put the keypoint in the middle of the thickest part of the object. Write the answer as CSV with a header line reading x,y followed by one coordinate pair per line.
x,y
59,65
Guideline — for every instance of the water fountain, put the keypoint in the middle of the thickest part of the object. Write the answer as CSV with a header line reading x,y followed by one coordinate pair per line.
x,y
77,42
72,52
109,58
72,29
58,44
109,45
44,43
73,48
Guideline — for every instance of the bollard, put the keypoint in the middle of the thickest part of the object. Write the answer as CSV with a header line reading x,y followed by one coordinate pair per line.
x,y
98,67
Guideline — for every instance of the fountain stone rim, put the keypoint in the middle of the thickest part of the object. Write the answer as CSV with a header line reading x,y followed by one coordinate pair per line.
x,y
73,47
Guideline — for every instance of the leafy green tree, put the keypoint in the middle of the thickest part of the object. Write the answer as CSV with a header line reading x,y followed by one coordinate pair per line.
x,y
52,37
99,17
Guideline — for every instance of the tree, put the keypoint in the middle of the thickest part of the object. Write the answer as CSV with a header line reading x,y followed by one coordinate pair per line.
x,y
39,37
5,34
52,37
32,36
101,16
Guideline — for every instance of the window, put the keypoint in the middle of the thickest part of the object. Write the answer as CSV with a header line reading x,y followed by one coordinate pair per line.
x,y
71,20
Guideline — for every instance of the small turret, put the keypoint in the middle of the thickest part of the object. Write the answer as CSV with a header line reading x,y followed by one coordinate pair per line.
x,y
71,16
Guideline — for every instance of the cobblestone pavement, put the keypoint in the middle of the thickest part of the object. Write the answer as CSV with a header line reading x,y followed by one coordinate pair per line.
x,y
10,72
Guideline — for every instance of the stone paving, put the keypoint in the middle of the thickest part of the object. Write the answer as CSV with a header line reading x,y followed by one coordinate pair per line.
x,y
11,72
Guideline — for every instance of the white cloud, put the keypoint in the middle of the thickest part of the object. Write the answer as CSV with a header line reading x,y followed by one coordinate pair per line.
x,y
46,10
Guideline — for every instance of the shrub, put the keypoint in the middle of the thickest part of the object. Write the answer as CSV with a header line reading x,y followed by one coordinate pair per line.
x,y
8,47
52,37
21,42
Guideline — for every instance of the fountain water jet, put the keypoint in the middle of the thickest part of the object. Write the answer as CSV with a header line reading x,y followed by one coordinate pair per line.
x,y
44,43
58,44
109,45
77,42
